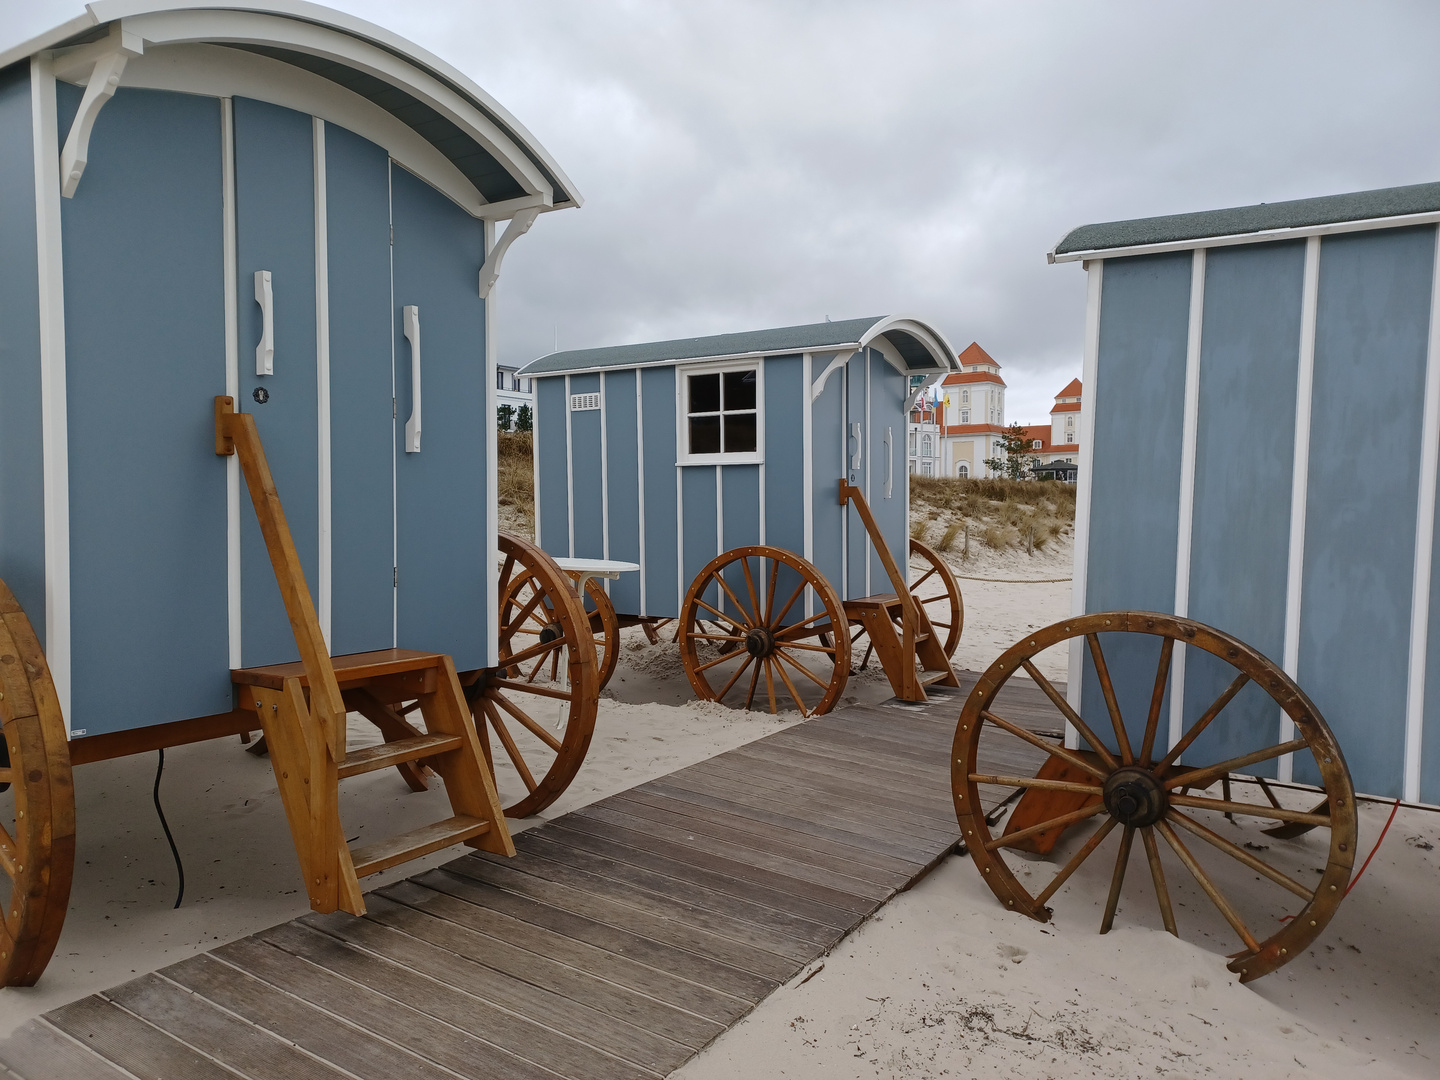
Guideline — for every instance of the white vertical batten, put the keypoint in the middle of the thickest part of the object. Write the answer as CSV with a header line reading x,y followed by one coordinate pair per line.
x,y
807,454
681,446
1299,480
535,457
720,516
1424,547
844,474
54,422
394,427
604,485
1185,531
232,372
867,446
324,585
640,469
492,463
569,475
1089,378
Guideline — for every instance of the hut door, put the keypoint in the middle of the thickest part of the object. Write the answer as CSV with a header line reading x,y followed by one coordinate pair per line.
x,y
442,494
857,471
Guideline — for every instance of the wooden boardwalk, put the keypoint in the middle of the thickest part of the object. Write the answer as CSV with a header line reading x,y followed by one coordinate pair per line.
x,y
621,939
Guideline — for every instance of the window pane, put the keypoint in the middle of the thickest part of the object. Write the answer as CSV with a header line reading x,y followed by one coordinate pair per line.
x,y
739,433
705,431
739,390
705,396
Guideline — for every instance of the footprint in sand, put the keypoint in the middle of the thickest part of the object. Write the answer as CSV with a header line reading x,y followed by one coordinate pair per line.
x,y
1013,953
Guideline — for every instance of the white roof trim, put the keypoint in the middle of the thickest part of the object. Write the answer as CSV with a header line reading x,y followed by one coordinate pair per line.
x,y
927,335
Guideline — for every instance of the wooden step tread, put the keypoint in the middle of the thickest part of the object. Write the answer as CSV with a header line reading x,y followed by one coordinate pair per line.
x,y
383,854
383,755
349,670
888,600
930,678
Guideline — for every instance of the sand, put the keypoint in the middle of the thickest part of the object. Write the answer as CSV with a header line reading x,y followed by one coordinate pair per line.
x,y
942,982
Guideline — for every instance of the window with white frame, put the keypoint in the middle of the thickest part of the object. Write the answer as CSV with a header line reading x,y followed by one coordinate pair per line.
x,y
965,397
963,470
1036,444
926,446
720,413
964,416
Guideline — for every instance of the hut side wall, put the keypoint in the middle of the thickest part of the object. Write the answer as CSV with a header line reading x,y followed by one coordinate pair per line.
x,y
785,453
22,490
587,477
622,488
664,587
828,463
887,478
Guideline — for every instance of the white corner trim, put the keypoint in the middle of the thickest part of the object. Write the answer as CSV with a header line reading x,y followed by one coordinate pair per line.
x,y
604,483
1185,530
1424,549
640,469
1084,484
818,386
492,475
232,375
324,585
518,227
103,81
808,452
569,476
54,423
1299,481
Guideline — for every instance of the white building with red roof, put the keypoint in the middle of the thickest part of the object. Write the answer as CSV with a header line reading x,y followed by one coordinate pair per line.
x,y
968,423
1059,441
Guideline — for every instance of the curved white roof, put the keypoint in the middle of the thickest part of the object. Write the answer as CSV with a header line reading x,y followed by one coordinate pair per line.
x,y
433,119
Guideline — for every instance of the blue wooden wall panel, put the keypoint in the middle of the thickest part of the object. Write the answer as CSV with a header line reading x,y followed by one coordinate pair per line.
x,y
275,231
145,355
785,453
698,512
1135,493
740,503
22,480
827,448
888,390
855,581
662,589
623,479
1370,343
444,545
1244,457
585,473
553,514
357,197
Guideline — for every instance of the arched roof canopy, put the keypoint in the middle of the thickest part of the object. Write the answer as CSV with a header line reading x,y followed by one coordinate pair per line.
x,y
432,119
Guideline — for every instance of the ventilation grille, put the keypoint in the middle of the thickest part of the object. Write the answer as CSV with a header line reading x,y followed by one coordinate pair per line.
x,y
579,402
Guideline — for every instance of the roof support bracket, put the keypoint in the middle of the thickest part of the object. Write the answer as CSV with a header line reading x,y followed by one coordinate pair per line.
x,y
104,79
841,359
518,227
919,391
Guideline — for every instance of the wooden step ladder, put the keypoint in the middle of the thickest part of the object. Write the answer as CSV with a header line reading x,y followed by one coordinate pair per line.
x,y
913,658
301,707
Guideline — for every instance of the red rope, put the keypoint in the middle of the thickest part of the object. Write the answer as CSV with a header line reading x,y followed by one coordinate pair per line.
x,y
1356,879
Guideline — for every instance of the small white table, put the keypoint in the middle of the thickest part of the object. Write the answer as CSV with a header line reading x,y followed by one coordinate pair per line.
x,y
585,569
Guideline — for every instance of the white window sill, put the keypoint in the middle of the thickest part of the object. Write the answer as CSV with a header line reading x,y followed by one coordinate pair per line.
x,y
721,459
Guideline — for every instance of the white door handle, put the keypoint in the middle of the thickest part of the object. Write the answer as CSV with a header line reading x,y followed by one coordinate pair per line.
x,y
412,335
265,351
859,445
889,461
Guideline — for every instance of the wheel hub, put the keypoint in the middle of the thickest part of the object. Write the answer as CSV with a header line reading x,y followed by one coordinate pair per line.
x,y
759,642
551,632
1134,797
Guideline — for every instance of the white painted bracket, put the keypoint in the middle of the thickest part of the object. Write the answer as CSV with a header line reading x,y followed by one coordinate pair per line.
x,y
109,65
518,227
841,359
265,297
916,394
412,335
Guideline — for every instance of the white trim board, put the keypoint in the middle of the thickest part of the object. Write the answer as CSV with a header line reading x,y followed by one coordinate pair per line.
x,y
492,469
324,585
640,469
232,378
569,476
1083,487
1185,527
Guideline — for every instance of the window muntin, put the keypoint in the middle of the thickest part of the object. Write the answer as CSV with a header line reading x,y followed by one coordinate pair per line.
x,y
720,414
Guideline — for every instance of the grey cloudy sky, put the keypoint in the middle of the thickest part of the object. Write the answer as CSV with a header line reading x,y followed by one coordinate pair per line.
x,y
753,164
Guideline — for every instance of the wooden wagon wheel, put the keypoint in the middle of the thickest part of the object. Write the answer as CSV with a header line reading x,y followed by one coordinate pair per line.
x,y
946,609
37,803
757,598
542,699
604,628
1144,791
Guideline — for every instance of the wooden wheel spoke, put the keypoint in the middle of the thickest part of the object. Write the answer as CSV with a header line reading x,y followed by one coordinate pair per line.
x,y
528,610
1157,874
754,682
1152,721
794,627
1215,709
718,660
1102,672
1075,860
531,725
717,637
770,589
1216,898
531,688
1203,777
1224,806
505,570
1054,750
735,677
809,648
1054,823
511,750
1235,851
1035,782
779,618
719,579
720,615
533,651
770,687
794,694
1068,711
539,663
927,576
8,853
781,653
750,586
1117,879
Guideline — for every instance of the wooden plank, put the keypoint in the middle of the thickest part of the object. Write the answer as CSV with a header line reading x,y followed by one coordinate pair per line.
x,y
828,907
523,1038
383,755
350,669
329,1038
185,1016
473,930
364,1006
402,847
731,940
565,849
145,740
877,765
38,1050
688,953
131,1043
